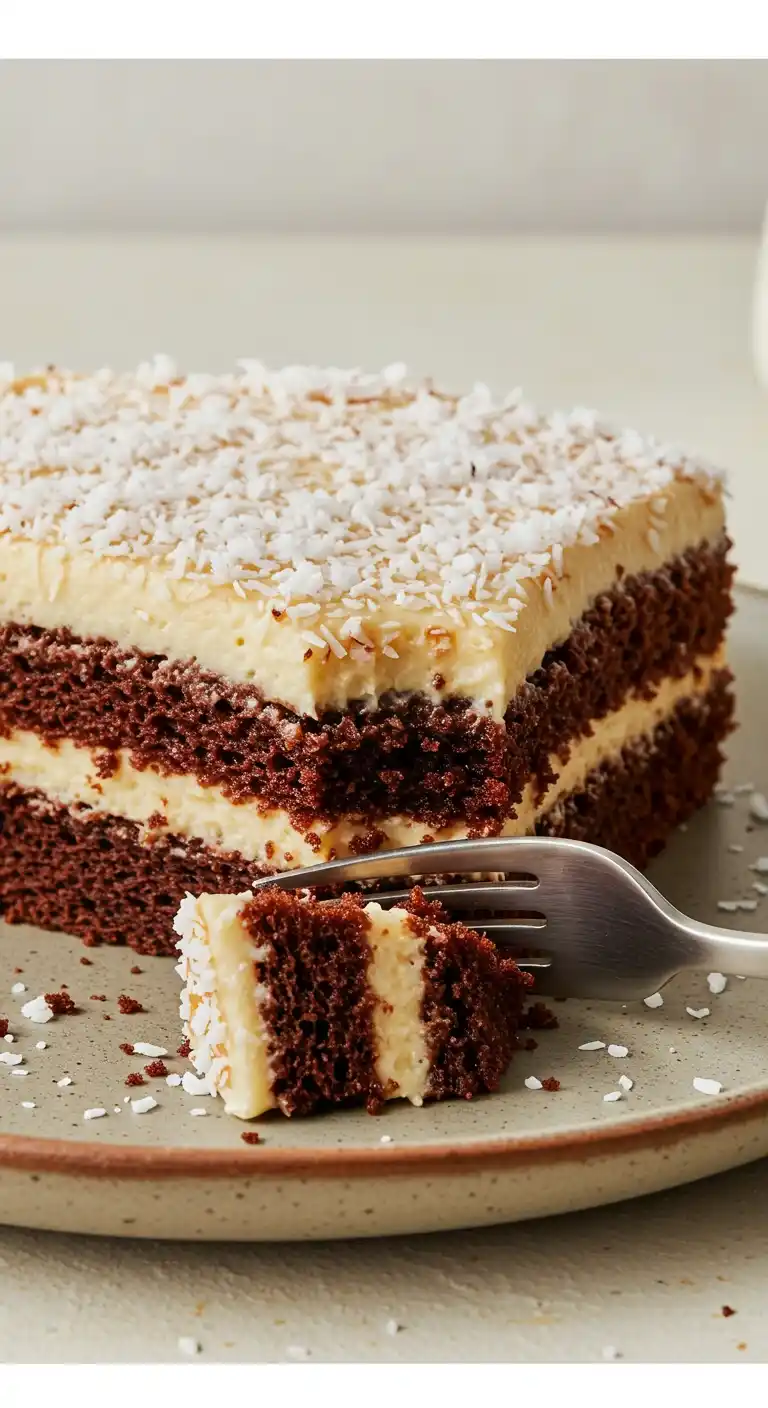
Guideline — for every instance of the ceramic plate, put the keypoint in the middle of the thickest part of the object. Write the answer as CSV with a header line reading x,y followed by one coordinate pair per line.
x,y
517,1154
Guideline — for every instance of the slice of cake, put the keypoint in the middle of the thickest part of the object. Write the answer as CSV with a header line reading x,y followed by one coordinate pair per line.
x,y
254,621
295,1004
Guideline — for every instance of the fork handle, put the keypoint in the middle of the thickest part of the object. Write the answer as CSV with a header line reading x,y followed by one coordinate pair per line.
x,y
729,951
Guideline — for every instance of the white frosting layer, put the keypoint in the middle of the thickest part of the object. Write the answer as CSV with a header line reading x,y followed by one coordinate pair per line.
x,y
67,774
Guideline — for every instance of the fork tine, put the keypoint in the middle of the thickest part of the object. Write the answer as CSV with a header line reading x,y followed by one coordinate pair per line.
x,y
514,855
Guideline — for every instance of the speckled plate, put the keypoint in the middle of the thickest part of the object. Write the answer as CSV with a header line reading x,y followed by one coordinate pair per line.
x,y
518,1154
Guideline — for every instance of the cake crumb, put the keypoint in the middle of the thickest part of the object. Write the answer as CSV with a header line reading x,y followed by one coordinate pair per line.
x,y
386,1139
173,1079
393,1327
4,1026
60,1003
626,1082
135,1078
655,1000
30,1105
533,1083
530,1044
250,1136
136,970
18,988
612,1095
727,1311
41,1045
129,1005
98,997
611,1353
189,1346
127,1047
618,1051
198,1111
65,1080
550,1083
185,1048
96,1113
717,982
539,1018
146,1048
156,1069
86,962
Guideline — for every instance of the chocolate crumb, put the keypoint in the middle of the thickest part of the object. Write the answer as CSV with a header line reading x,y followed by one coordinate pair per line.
x,y
127,1047
129,1005
86,962
250,1136
539,1018
60,1003
137,969
18,970
98,997
156,1068
135,1078
551,1083
3,1027
185,1047
530,1044
728,1310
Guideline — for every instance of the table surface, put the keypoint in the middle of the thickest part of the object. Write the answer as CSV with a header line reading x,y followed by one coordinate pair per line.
x,y
657,334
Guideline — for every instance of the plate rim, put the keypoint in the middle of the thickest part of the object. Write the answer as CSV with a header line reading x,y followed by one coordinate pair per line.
x,y
25,1153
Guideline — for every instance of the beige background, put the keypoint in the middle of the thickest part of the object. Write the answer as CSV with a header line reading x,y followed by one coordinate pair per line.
x,y
382,146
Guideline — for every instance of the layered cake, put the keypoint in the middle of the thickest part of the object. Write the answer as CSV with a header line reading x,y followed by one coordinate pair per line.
x,y
259,620
296,1004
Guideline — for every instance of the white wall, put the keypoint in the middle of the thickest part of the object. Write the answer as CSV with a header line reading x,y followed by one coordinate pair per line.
x,y
364,146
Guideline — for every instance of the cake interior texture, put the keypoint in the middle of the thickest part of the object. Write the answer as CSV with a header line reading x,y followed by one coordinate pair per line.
x,y
296,1004
260,620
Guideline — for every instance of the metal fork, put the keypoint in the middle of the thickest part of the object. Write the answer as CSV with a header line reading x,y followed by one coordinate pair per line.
x,y
597,927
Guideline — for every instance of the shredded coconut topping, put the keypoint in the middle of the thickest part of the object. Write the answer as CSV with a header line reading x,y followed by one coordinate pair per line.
x,y
311,485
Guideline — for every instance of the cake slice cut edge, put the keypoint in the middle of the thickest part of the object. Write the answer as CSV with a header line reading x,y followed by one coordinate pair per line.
x,y
296,1004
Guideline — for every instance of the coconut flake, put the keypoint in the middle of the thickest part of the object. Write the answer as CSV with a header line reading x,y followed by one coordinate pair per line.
x,y
37,1010
655,1000
706,1086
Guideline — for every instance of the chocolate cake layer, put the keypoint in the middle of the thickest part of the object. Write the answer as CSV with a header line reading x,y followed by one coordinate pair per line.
x,y
90,875
632,804
467,993
318,1013
409,756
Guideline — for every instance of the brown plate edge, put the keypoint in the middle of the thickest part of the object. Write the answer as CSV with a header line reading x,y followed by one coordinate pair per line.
x,y
66,1157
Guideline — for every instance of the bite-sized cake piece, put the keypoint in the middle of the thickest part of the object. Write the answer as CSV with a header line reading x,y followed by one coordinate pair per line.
x,y
254,621
296,1004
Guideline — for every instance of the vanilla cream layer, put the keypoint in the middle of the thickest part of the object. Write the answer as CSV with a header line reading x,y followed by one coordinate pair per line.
x,y
67,774
396,978
376,647
221,1003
